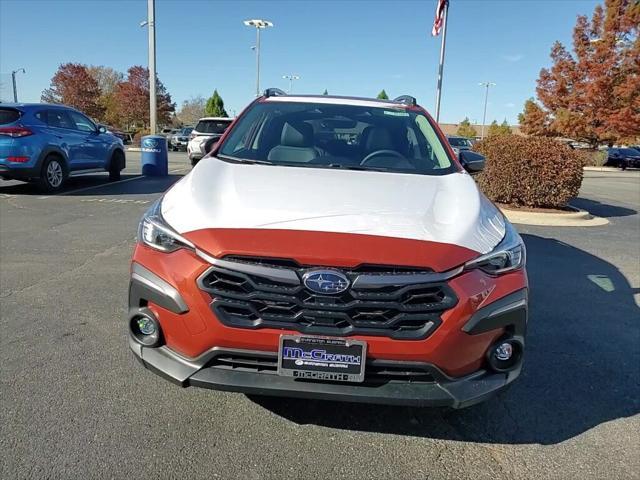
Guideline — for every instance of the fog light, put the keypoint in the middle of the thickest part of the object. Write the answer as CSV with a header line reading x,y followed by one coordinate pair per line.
x,y
146,326
503,352
505,355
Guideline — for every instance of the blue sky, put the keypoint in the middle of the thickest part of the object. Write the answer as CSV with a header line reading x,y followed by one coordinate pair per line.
x,y
348,47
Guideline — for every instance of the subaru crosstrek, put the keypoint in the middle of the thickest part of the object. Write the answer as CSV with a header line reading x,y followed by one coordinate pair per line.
x,y
332,248
46,143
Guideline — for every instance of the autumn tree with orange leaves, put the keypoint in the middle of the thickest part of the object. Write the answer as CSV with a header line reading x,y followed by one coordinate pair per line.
x,y
73,85
132,98
593,93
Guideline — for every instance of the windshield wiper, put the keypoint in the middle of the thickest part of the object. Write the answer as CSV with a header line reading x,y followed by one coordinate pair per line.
x,y
244,160
357,167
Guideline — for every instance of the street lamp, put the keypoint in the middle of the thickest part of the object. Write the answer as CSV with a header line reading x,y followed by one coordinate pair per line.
x,y
291,78
486,96
259,25
13,79
150,23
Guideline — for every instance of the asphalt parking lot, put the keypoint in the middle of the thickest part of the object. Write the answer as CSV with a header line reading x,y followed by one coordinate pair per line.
x,y
75,404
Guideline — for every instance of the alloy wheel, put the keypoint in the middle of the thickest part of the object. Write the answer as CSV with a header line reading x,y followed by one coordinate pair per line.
x,y
54,174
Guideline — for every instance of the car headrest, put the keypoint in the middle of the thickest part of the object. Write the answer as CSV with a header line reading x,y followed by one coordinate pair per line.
x,y
378,138
298,135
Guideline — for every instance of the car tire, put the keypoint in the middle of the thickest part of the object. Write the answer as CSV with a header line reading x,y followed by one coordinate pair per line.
x,y
194,161
115,166
53,174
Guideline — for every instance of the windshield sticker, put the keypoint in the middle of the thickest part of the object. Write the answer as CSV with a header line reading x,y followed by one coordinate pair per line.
x,y
396,113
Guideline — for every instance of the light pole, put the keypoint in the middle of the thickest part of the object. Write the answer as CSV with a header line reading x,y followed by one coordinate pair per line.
x,y
291,78
13,79
486,96
259,25
150,23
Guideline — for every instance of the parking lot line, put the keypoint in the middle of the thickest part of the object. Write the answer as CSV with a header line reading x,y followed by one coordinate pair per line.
x,y
84,189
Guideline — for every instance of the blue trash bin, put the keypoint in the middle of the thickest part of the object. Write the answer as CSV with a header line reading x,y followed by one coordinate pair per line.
x,y
154,157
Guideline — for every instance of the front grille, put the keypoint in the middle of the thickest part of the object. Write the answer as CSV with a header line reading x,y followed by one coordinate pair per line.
x,y
406,312
375,370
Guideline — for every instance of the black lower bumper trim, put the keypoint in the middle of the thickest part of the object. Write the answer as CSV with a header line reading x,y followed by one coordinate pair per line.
x,y
459,394
446,392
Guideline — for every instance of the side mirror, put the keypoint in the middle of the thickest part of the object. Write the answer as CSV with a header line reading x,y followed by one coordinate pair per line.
x,y
102,129
471,161
210,145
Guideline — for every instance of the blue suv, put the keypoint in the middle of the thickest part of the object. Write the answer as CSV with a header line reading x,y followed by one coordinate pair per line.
x,y
46,143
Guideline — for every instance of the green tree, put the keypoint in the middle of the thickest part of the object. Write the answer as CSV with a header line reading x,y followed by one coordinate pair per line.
x,y
505,128
325,92
383,95
215,106
466,130
494,129
499,129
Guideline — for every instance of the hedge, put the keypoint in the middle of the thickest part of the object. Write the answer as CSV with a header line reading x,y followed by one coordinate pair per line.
x,y
530,171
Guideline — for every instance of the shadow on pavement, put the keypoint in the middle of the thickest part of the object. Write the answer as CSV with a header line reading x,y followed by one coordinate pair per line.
x,y
98,185
602,209
582,365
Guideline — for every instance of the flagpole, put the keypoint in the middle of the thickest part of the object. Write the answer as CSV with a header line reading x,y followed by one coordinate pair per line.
x,y
441,67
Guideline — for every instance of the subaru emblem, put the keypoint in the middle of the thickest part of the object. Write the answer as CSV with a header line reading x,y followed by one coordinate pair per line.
x,y
150,143
325,281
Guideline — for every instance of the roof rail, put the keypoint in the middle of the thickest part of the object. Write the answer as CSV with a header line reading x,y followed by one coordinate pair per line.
x,y
406,99
274,92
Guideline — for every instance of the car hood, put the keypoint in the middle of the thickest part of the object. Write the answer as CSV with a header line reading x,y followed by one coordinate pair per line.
x,y
447,209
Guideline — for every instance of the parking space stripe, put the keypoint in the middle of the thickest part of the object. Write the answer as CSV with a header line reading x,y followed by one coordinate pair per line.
x,y
90,188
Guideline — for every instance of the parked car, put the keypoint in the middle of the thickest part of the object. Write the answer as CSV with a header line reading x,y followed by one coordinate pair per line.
x,y
623,158
459,143
115,132
168,131
180,139
46,143
206,129
297,262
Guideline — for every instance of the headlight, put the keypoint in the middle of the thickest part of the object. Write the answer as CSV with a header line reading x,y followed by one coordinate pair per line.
x,y
154,232
509,255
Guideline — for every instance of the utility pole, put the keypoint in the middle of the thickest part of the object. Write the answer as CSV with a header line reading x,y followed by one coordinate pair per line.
x,y
151,25
291,78
486,96
259,25
443,44
13,80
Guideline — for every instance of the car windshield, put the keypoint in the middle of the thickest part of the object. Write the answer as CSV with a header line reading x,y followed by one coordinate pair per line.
x,y
212,126
458,142
186,131
321,135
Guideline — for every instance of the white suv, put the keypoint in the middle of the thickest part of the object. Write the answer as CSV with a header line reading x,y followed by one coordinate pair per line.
x,y
206,129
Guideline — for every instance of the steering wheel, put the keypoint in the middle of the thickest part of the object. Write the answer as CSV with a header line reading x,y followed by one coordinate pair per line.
x,y
378,153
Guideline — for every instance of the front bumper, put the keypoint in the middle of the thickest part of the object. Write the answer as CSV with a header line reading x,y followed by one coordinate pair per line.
x,y
254,371
205,372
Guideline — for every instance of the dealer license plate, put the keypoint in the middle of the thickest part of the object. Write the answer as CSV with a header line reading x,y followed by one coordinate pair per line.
x,y
321,358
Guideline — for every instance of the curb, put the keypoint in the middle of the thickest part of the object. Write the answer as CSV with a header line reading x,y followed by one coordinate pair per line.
x,y
578,218
601,169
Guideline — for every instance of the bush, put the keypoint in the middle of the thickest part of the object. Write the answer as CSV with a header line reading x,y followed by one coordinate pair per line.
x,y
138,136
594,158
530,171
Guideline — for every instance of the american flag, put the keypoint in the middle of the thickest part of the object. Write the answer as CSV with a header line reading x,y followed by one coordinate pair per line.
x,y
437,22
